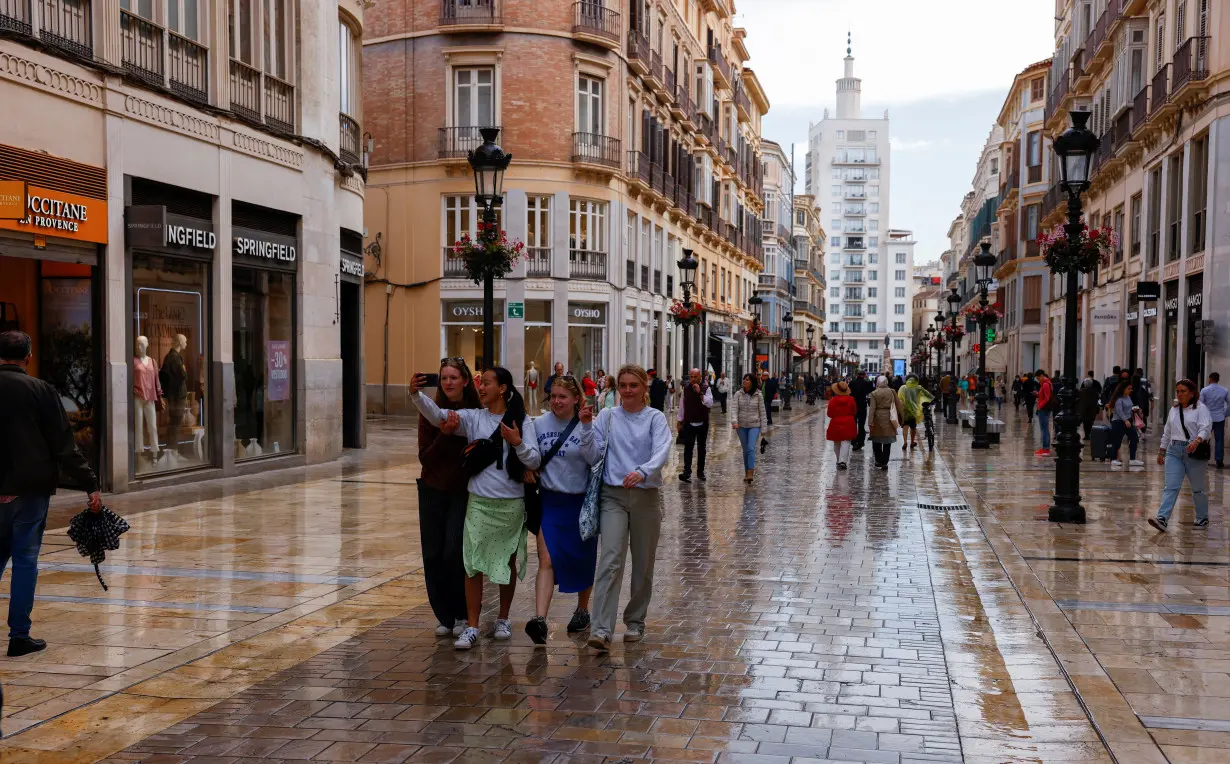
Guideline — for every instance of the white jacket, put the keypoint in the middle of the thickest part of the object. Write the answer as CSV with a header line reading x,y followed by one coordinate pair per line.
x,y
1199,424
723,385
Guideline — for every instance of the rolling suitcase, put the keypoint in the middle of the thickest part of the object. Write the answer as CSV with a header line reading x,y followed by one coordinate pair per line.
x,y
1100,443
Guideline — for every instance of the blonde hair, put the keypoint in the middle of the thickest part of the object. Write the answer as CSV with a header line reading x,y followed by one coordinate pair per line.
x,y
569,384
638,372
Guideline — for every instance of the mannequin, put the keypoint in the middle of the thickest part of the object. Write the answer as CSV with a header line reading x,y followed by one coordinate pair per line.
x,y
146,398
173,379
531,388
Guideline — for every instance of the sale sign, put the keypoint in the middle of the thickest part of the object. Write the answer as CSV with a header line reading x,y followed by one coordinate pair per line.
x,y
278,360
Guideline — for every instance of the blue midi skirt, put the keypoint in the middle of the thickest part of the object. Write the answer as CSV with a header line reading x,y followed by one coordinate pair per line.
x,y
574,559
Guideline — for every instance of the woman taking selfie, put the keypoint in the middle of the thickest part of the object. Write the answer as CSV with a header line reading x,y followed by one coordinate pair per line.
x,y
566,442
1185,452
636,441
502,446
747,417
442,500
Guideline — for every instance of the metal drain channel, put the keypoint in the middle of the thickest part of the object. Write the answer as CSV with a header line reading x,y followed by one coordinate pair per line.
x,y
945,507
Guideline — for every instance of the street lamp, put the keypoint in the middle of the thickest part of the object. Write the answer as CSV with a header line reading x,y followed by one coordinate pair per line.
x,y
1075,147
811,351
753,303
687,266
786,324
984,265
954,299
489,163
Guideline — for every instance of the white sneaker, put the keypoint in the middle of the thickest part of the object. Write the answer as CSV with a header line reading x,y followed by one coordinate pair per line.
x,y
503,629
1136,463
1116,463
460,626
468,639
444,631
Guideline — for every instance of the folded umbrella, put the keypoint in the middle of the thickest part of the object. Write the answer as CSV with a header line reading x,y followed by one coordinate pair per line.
x,y
96,533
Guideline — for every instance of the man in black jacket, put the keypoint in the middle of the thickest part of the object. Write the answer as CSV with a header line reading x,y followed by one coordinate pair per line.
x,y
36,445
657,391
861,388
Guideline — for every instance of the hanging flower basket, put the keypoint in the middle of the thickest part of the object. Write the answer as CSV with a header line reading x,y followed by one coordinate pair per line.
x,y
954,333
491,254
756,332
1095,249
786,344
686,315
938,343
988,315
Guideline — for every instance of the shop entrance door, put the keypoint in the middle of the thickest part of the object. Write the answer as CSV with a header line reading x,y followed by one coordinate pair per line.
x,y
351,324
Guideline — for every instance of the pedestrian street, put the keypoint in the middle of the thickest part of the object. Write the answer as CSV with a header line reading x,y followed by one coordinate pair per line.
x,y
927,613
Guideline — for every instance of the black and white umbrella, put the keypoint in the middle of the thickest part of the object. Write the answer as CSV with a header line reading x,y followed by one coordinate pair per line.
x,y
96,533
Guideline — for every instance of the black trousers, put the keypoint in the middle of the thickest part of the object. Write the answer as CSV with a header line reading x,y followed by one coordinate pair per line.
x,y
722,400
860,416
768,411
694,436
881,452
1029,408
442,518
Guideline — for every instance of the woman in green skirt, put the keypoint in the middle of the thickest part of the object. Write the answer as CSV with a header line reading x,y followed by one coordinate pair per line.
x,y
494,536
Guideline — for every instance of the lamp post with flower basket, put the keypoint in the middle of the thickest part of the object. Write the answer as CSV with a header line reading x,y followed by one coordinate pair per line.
x,y
490,255
954,334
1068,252
985,315
684,312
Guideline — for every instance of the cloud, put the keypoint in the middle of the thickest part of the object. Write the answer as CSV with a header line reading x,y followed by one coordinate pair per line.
x,y
905,144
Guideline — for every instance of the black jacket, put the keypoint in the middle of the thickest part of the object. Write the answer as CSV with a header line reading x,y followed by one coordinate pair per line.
x,y
657,394
862,388
36,440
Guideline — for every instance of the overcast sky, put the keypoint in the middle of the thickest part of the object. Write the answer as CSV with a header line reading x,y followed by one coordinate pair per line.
x,y
941,69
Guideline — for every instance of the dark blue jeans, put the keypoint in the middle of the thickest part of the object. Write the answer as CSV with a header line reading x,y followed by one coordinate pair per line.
x,y
1219,440
21,536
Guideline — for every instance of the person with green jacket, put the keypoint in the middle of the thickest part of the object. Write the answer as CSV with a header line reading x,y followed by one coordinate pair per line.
x,y
913,396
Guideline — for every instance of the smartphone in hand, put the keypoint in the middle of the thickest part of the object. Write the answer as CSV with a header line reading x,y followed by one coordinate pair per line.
x,y
430,380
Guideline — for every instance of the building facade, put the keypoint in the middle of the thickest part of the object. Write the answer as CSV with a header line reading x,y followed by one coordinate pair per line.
x,y
635,134
848,172
181,229
809,282
776,283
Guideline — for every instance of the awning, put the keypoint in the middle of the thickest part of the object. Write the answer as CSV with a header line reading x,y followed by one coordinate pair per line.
x,y
720,338
997,358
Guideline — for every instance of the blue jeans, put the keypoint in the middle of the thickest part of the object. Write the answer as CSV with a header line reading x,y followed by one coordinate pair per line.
x,y
1044,425
1219,441
1178,464
749,438
21,536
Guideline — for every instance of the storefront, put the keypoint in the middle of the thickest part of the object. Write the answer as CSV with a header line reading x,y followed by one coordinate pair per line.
x,y
350,326
586,336
722,349
1132,321
1193,355
537,349
53,219
170,253
1170,343
462,331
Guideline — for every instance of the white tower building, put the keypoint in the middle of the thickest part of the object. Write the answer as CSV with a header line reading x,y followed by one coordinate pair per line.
x,y
869,273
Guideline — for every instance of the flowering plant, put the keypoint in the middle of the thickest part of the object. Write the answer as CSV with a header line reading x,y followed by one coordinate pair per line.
x,y
954,333
756,332
990,314
938,343
785,343
492,253
1093,250
686,315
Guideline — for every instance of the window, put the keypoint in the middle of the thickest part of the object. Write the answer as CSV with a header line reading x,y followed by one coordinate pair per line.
x,y
900,258
898,344
241,22
873,292
1174,204
183,17
538,222
474,96
873,190
1033,300
587,225
857,136
590,116
899,275
872,309
1155,216
835,292
873,258
460,217
1031,222
1199,195
873,275
350,66
801,218
835,241
899,309
853,344
1136,223
871,325
873,225
835,275
834,326
836,224
841,135
836,190
871,135
277,29
899,292
994,166
873,208
1037,89
853,327
898,326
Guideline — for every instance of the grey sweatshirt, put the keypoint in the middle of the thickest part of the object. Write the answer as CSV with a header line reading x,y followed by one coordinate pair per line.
x,y
640,441
568,470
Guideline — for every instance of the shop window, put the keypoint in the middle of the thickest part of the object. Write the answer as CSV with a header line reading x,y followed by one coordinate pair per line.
x,y
463,331
262,331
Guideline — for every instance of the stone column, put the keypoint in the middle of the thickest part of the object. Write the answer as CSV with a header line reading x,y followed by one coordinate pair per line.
x,y
221,390
514,288
1217,248
116,439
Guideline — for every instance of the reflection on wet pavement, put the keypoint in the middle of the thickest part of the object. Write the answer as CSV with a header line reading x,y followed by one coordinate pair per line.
x,y
818,615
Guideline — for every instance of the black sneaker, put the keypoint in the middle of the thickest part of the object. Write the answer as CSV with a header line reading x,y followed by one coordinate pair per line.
x,y
19,646
579,622
537,630
1159,522
1201,523
685,478
701,477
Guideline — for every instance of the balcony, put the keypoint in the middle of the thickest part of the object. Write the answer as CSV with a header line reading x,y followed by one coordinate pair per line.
x,y
538,262
1140,109
1191,64
855,212
587,264
721,67
1123,130
1032,248
1160,90
259,97
279,104
593,22
596,150
655,71
141,49
349,136
470,15
64,24
803,306
704,125
743,104
855,243
638,169
681,106
854,193
705,215
775,283
860,162
638,53
15,16
454,267
189,63
458,142
671,85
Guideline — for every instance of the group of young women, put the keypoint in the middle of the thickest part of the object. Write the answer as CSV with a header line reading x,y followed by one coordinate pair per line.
x,y
479,452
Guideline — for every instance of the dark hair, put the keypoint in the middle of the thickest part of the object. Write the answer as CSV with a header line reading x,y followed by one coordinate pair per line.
x,y
513,417
1114,370
469,391
1121,389
1040,373
913,377
1190,385
1215,377
755,382
14,346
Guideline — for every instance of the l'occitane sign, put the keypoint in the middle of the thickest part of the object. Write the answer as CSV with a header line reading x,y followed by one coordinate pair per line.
x,y
55,213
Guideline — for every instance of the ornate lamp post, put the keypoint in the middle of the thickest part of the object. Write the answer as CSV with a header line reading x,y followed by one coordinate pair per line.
x,y
1075,147
954,299
687,266
788,375
888,372
984,264
811,351
489,163
753,303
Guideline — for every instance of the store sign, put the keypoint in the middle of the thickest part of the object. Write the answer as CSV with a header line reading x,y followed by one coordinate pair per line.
x,y
1133,315
13,199
351,266
1194,302
278,359
1101,316
719,328
189,236
469,311
1149,312
55,213
587,313
1148,290
263,249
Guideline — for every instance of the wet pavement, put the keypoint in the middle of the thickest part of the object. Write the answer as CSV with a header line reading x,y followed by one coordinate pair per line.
x,y
924,614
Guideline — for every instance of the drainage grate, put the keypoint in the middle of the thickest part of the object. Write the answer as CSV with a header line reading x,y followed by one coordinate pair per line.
x,y
945,507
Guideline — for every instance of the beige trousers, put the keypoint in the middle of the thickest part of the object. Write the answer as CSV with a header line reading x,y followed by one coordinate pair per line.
x,y
629,517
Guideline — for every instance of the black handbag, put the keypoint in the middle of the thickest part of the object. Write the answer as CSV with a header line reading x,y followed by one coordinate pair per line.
x,y
533,491
480,454
1202,452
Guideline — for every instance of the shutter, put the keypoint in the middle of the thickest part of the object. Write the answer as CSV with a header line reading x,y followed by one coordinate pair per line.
x,y
1180,23
645,132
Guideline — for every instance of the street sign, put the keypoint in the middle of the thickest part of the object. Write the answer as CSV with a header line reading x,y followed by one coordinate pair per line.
x,y
516,310
990,336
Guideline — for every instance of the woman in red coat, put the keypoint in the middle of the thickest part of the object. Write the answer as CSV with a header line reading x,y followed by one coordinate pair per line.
x,y
842,427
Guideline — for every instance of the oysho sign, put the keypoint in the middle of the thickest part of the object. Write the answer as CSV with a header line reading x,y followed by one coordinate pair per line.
x,y
586,313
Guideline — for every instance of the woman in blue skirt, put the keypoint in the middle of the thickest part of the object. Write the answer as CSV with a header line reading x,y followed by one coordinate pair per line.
x,y
564,559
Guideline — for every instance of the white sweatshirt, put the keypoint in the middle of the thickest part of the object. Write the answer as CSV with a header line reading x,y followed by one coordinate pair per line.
x,y
568,470
638,442
493,482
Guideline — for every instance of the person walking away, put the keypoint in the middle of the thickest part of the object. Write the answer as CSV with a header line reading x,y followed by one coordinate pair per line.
x,y
636,440
442,500
861,389
566,435
1122,423
946,391
842,428
493,539
658,390
1030,396
723,390
36,448
884,413
912,396
748,420
1046,404
693,423
963,387
1144,397
1110,385
1183,452
609,397
1018,384
1088,404
770,392
676,389
559,372
1215,397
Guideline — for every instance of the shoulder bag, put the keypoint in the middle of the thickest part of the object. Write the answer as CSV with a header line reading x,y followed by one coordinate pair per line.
x,y
480,454
533,491
593,492
1202,452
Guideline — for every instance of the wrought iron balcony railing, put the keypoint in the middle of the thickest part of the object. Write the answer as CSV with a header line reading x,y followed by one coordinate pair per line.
x,y
348,139
458,142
